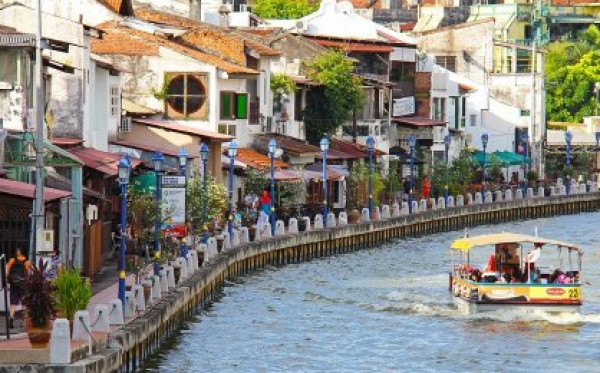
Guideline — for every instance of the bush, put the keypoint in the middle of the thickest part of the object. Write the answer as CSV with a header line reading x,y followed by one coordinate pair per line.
x,y
41,306
72,293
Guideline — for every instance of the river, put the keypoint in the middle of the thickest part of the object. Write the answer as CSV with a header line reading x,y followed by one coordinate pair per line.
x,y
388,309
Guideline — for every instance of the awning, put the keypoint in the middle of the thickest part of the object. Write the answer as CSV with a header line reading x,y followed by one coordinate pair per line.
x,y
290,144
226,163
287,175
419,122
466,244
315,171
356,150
149,148
20,189
188,130
574,19
104,162
506,158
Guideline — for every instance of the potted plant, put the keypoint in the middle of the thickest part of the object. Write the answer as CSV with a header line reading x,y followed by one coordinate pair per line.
x,y
41,308
72,293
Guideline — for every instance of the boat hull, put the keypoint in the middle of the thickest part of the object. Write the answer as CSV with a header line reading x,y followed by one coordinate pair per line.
x,y
472,307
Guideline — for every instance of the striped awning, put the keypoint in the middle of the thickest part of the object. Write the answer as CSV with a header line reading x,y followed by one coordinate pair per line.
x,y
17,39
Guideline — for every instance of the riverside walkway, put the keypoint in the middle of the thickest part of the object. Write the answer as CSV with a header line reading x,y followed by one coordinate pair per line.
x,y
127,345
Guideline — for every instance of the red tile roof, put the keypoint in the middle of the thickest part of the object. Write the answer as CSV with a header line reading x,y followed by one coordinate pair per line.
x,y
419,121
107,163
172,126
257,160
355,150
333,154
353,46
150,148
20,189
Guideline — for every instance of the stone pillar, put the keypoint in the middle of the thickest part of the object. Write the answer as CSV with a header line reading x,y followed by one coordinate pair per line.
x,y
156,293
364,216
226,241
499,196
470,199
404,210
433,203
478,198
385,212
211,250
583,188
415,207
190,264
530,193
184,273
100,317
342,219
441,203
519,194
81,325
395,210
562,190
376,213
244,235
293,226
138,296
170,276
422,205
129,305
115,316
235,238
279,228
489,198
318,221
460,200
307,223
541,192
508,196
265,231
559,181
450,201
60,342
331,223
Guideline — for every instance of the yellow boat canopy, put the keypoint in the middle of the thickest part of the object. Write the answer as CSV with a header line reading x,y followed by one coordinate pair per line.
x,y
466,244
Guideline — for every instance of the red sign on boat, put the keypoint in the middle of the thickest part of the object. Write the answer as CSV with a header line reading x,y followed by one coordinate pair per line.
x,y
555,291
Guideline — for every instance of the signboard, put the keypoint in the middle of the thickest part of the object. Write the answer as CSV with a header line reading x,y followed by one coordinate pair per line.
x,y
403,106
173,200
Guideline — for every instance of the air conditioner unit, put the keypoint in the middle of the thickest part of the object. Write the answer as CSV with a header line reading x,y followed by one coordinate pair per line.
x,y
125,125
47,243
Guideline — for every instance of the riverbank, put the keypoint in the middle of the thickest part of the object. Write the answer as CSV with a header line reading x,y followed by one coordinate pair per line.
x,y
132,343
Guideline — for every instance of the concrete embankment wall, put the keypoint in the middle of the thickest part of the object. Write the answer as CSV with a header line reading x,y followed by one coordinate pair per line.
x,y
132,344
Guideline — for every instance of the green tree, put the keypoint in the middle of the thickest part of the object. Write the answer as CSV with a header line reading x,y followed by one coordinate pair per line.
x,y
284,9
196,199
332,104
462,172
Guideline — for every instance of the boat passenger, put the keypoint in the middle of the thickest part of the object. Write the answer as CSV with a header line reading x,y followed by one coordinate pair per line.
x,y
501,280
475,276
514,280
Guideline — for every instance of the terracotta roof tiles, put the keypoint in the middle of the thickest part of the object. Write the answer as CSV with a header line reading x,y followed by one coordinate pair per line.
x,y
290,144
257,160
113,5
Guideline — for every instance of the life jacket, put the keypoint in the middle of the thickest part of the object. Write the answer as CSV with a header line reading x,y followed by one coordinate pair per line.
x,y
17,271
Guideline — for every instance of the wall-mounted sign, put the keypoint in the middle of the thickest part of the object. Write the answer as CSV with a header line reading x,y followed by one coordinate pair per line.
x,y
403,106
173,200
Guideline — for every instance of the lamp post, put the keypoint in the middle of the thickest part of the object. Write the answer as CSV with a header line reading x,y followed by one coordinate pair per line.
x,y
370,147
447,140
157,162
183,156
568,138
204,157
596,90
412,141
324,147
232,153
525,140
596,161
124,170
484,142
272,148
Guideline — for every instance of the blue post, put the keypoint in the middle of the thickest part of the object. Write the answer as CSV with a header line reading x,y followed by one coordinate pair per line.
x,y
124,171
412,142
204,157
484,142
183,156
324,146
123,247
184,250
370,146
568,137
158,164
230,222
272,217
447,140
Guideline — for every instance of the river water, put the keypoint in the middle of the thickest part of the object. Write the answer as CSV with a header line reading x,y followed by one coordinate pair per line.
x,y
388,309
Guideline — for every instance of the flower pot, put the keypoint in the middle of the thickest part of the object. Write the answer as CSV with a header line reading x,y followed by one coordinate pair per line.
x,y
301,225
38,336
220,243
147,292
353,217
252,233
128,287
177,273
375,214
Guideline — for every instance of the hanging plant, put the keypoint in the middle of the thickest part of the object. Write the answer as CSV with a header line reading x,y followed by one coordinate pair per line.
x,y
282,83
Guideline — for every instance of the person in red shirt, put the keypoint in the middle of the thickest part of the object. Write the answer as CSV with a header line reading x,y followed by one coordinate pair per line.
x,y
425,188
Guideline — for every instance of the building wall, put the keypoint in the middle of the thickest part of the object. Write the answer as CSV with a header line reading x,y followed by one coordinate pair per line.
x,y
471,44
91,11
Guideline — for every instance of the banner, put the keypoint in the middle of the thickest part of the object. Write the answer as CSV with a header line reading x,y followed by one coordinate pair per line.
x,y
173,200
403,106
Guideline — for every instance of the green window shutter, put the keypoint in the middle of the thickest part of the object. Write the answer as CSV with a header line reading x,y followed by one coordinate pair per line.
x,y
226,105
241,106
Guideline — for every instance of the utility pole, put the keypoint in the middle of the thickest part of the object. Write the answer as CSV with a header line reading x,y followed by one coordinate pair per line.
x,y
38,218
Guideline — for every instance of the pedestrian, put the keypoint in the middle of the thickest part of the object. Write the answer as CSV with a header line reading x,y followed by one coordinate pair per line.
x,y
16,270
53,266
425,188
265,210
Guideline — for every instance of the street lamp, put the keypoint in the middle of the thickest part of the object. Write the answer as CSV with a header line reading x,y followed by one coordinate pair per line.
x,y
272,148
596,162
124,170
596,90
232,153
447,140
204,157
568,138
157,162
412,141
183,156
324,147
484,142
525,140
370,147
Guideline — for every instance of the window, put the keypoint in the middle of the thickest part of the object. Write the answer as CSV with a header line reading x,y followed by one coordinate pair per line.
x,y
463,111
447,62
187,96
114,100
227,129
473,120
125,125
439,108
234,105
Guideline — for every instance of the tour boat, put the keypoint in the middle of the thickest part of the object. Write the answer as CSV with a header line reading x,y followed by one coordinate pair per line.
x,y
523,272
